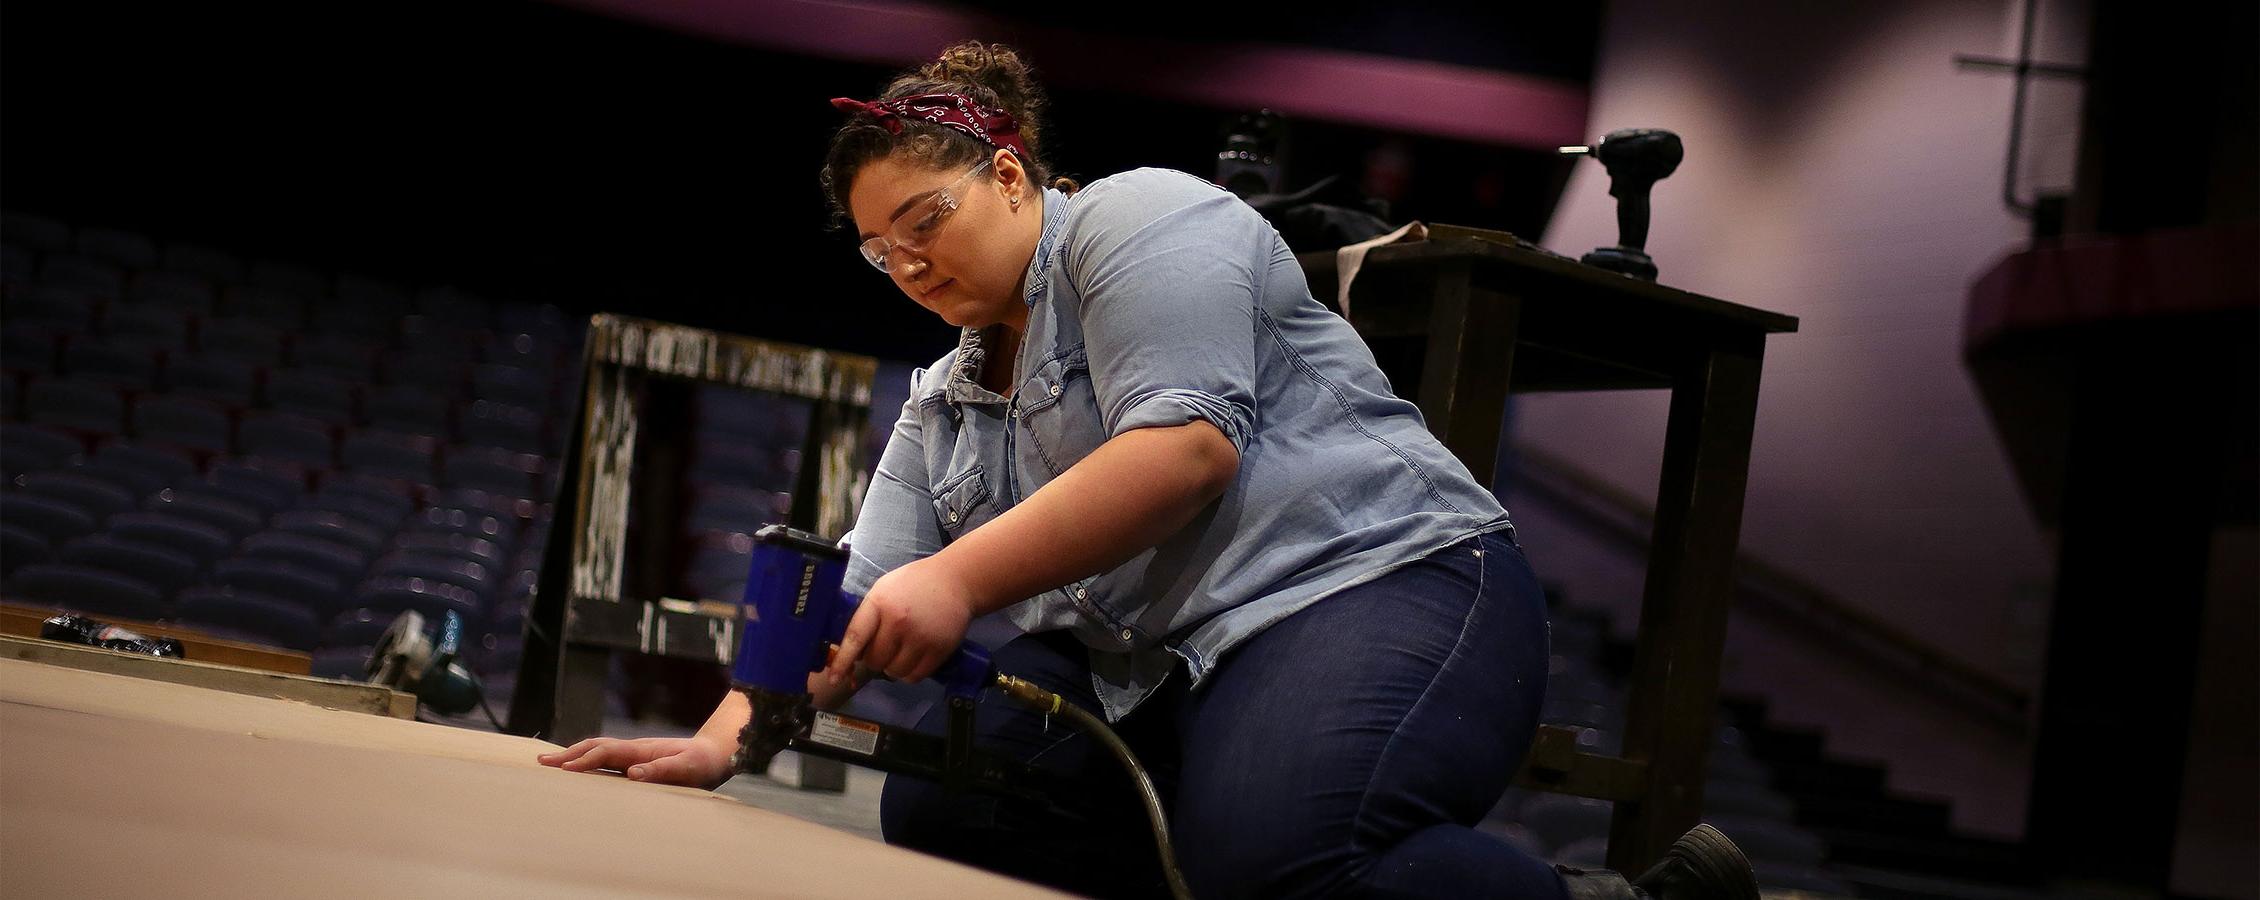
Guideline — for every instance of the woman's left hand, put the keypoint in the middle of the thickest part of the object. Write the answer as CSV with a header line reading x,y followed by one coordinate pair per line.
x,y
914,617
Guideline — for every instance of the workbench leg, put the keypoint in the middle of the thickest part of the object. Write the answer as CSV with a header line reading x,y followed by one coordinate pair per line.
x,y
1465,371
1673,705
585,673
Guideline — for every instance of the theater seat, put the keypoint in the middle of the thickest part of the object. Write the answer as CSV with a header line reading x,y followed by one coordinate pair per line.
x,y
272,490
326,395
250,616
201,504
331,525
20,546
440,567
19,265
218,265
494,470
62,309
414,409
390,454
288,437
40,448
184,422
84,589
37,232
80,272
201,541
98,497
169,466
460,546
229,382
248,340
163,568
305,281
381,502
318,554
120,360
312,589
121,248
93,407
432,598
283,309
155,326
179,291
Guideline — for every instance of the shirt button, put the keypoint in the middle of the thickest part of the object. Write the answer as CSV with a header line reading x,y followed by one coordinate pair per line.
x,y
1080,594
1126,635
953,518
1055,390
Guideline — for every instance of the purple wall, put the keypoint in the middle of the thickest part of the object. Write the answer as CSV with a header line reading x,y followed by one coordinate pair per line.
x,y
1841,169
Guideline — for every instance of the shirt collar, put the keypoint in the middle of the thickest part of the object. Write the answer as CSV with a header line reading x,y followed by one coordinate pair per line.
x,y
965,373
1055,221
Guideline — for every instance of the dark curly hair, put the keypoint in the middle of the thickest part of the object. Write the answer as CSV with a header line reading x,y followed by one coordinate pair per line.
x,y
992,74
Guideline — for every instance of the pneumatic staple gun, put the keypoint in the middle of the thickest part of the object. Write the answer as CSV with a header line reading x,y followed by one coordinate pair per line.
x,y
793,616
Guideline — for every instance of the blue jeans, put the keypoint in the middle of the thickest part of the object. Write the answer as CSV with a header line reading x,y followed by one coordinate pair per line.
x,y
1345,750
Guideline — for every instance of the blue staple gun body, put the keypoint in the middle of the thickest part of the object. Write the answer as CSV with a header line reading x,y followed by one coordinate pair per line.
x,y
791,619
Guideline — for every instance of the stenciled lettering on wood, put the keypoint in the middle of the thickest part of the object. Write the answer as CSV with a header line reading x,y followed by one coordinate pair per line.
x,y
608,456
734,360
841,480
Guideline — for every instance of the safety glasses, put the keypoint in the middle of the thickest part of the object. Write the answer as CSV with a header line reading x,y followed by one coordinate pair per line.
x,y
915,229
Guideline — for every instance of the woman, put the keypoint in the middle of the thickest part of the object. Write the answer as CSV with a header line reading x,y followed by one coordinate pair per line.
x,y
1191,487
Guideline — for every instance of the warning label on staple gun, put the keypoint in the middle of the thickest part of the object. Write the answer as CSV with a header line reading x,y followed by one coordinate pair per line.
x,y
854,735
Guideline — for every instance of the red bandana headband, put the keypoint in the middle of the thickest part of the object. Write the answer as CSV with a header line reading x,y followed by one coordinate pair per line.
x,y
989,125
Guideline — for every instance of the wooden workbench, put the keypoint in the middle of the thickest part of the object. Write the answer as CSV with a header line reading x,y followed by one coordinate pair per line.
x,y
1469,316
115,786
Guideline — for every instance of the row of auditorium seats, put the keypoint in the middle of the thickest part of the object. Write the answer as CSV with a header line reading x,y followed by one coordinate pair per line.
x,y
266,451
743,455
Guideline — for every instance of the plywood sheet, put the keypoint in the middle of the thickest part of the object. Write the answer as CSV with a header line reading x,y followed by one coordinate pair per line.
x,y
113,786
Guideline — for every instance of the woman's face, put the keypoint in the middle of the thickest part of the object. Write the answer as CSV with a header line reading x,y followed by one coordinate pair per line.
x,y
966,266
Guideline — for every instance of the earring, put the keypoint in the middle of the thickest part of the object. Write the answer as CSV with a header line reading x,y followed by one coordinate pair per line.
x,y
1016,200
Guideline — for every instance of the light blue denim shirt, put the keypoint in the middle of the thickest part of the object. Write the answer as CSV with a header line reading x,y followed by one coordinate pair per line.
x,y
1155,299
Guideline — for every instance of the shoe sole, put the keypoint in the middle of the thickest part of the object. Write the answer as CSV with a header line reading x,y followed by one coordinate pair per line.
x,y
1717,861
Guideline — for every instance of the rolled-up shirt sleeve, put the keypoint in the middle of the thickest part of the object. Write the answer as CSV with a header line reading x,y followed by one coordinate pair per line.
x,y
1168,279
896,523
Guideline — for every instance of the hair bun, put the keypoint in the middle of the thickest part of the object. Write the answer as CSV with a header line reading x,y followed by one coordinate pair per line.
x,y
994,70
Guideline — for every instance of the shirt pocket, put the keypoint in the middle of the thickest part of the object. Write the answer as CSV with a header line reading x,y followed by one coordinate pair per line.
x,y
1060,416
960,501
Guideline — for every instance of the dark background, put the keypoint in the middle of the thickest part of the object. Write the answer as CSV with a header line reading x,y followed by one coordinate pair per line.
x,y
535,152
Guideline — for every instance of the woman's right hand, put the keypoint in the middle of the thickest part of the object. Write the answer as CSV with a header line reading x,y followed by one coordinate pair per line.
x,y
691,762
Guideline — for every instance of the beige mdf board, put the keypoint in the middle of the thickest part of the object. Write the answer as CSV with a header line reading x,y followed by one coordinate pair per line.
x,y
117,786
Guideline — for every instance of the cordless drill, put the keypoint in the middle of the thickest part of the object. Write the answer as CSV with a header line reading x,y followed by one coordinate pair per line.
x,y
1636,158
